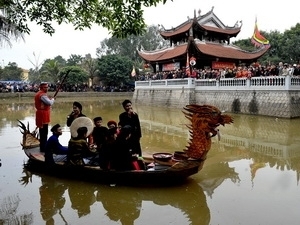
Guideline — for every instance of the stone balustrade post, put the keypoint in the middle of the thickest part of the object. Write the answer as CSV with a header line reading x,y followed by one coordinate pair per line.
x,y
287,82
248,83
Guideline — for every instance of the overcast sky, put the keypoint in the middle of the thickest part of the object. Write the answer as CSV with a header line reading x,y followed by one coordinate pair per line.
x,y
271,16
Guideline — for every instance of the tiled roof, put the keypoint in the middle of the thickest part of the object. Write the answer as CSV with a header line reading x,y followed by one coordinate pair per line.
x,y
222,51
220,30
212,49
164,54
177,30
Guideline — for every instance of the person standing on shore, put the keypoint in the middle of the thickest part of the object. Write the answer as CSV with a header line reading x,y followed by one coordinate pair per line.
x,y
43,105
131,118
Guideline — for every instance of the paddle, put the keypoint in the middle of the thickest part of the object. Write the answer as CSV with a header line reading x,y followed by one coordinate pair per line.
x,y
61,83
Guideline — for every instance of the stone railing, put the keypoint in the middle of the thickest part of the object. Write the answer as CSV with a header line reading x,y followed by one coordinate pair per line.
x,y
163,84
255,83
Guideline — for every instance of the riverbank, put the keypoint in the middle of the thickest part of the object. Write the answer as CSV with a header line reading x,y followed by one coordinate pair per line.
x,y
22,95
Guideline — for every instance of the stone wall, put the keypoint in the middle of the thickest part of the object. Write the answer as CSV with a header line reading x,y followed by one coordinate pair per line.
x,y
284,104
280,103
176,98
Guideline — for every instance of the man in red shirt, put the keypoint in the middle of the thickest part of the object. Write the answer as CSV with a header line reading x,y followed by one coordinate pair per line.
x,y
42,116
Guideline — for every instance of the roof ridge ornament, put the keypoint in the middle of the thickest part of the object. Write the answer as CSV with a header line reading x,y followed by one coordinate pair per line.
x,y
161,27
199,12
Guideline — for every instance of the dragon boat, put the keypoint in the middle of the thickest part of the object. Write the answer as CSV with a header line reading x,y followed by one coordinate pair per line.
x,y
160,168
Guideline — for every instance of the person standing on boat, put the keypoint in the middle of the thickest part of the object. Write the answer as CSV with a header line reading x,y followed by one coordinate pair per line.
x,y
131,118
76,112
54,147
42,104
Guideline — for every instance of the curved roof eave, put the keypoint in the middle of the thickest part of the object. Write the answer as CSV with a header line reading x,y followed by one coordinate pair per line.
x,y
178,30
221,51
233,31
165,54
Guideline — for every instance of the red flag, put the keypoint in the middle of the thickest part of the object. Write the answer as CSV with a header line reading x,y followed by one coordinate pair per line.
x,y
257,39
187,66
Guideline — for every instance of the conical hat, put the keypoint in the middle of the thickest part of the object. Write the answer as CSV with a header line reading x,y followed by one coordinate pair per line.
x,y
81,122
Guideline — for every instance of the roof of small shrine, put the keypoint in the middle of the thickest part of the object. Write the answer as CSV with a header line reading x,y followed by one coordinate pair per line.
x,y
212,49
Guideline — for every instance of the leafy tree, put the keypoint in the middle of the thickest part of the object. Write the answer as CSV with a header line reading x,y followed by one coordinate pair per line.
x,y
74,60
50,70
122,18
90,66
275,54
8,31
11,72
76,75
151,40
291,46
114,70
245,44
60,60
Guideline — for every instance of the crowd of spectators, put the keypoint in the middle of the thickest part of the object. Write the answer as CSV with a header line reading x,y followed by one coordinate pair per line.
x,y
17,86
255,70
20,86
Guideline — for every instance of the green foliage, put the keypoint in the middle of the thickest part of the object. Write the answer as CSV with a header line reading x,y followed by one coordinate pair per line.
x,y
11,72
122,18
114,69
50,69
8,31
90,66
74,60
284,46
128,46
76,75
245,44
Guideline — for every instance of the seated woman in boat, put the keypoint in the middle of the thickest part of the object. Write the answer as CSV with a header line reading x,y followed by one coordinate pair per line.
x,y
79,148
54,147
122,157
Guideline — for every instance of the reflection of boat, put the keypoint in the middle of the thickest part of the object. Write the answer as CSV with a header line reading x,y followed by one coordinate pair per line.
x,y
204,122
190,200
122,204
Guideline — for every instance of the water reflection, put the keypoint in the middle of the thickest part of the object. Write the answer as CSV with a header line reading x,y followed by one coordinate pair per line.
x,y
120,204
82,197
51,199
266,141
124,207
8,212
252,151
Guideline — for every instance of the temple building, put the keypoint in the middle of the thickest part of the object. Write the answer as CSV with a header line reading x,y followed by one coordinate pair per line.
x,y
200,42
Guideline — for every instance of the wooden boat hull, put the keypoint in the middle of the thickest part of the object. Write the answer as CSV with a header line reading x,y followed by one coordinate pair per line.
x,y
175,174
